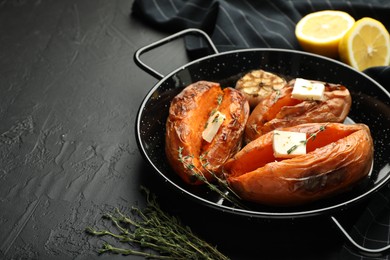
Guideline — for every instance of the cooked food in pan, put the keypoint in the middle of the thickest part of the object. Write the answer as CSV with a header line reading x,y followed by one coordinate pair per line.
x,y
335,156
297,149
300,101
204,128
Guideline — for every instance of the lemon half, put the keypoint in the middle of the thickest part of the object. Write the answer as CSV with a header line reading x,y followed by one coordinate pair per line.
x,y
366,44
320,32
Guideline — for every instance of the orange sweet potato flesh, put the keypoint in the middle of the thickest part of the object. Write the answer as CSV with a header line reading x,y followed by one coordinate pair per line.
x,y
187,152
336,159
281,110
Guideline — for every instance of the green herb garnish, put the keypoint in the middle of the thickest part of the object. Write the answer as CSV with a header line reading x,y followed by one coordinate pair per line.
x,y
152,233
277,95
221,188
219,99
215,119
304,142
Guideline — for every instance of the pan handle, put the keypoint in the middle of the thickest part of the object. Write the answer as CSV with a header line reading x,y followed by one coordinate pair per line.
x,y
146,48
365,251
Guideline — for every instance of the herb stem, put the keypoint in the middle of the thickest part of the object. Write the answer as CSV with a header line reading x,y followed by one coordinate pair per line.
x,y
304,142
155,230
109,248
235,200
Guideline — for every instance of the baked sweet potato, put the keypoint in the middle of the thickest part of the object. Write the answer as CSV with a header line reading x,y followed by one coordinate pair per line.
x,y
187,151
337,157
281,110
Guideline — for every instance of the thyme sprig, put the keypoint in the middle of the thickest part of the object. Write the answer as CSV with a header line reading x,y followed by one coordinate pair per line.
x,y
219,102
304,142
277,95
222,186
153,233
222,182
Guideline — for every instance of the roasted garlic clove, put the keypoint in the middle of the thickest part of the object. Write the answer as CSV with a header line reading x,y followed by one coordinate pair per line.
x,y
258,84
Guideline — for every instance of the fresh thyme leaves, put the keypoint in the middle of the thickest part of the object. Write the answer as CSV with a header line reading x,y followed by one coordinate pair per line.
x,y
295,146
216,118
222,186
304,142
219,99
203,159
223,183
219,102
153,233
277,95
292,149
314,135
183,159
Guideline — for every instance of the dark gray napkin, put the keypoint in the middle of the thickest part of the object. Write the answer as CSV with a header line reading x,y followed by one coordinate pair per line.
x,y
247,23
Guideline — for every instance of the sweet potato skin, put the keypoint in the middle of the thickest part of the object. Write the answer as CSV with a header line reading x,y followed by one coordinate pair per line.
x,y
189,111
281,110
337,158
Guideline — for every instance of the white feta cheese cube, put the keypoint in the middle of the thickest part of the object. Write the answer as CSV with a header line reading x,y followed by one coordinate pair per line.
x,y
288,144
306,90
212,126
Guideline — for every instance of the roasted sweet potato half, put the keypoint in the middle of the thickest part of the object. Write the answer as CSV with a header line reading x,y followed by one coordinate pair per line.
x,y
337,157
281,110
187,150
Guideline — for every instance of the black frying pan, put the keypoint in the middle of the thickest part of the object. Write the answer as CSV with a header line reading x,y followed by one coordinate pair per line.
x,y
370,105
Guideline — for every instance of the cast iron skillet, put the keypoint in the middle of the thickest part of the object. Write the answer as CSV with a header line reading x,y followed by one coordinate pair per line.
x,y
370,105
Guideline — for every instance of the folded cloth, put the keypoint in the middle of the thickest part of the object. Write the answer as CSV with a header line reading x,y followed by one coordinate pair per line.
x,y
271,24
248,23
251,23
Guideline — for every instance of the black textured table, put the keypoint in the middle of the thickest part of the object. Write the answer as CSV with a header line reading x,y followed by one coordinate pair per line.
x,y
69,95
